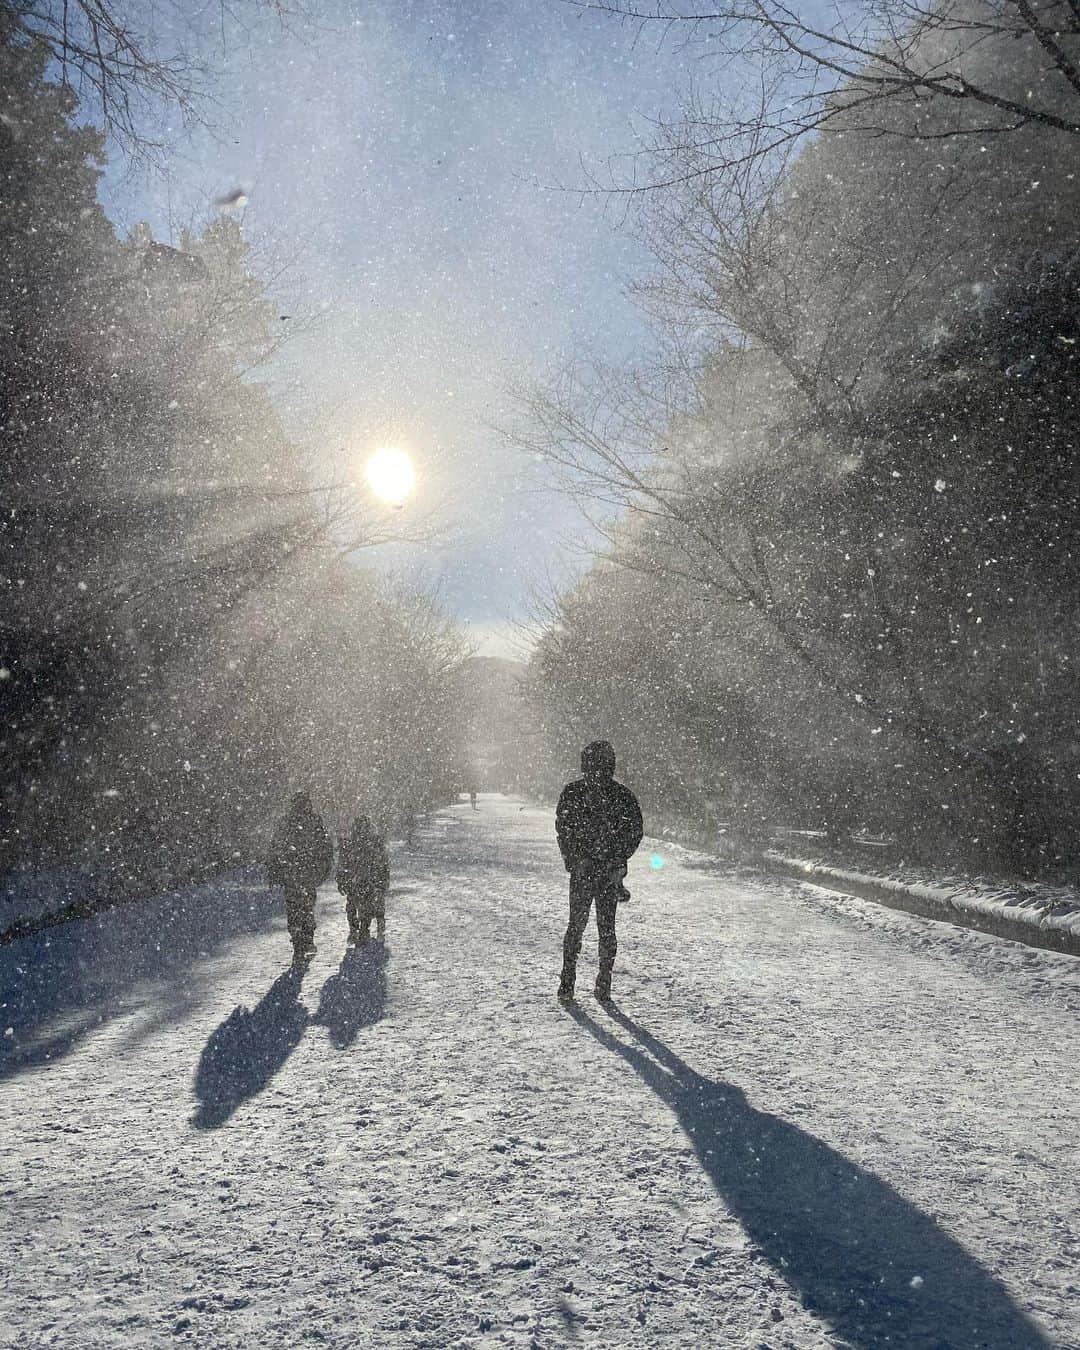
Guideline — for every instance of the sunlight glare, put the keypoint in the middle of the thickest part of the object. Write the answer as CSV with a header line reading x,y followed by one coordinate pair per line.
x,y
391,475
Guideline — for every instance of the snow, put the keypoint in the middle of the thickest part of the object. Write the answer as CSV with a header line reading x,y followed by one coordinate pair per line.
x,y
1039,913
27,897
806,1121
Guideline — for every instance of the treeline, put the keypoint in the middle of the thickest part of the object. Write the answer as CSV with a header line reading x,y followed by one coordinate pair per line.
x,y
183,638
841,585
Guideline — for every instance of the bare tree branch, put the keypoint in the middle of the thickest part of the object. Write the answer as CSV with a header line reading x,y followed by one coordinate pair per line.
x,y
876,55
101,54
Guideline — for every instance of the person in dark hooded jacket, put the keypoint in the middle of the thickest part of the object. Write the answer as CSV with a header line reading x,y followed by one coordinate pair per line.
x,y
598,825
363,878
301,856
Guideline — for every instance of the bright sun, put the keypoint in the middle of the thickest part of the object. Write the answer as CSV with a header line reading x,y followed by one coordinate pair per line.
x,y
391,475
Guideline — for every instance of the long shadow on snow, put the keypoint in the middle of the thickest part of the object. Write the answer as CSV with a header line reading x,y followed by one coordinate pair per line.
x,y
355,995
59,985
843,1238
248,1049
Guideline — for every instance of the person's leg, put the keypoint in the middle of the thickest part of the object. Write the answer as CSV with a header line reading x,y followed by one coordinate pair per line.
x,y
300,916
307,922
606,907
580,901
353,915
366,916
294,919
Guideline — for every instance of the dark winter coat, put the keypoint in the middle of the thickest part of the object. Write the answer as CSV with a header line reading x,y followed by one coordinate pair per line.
x,y
363,865
301,854
597,820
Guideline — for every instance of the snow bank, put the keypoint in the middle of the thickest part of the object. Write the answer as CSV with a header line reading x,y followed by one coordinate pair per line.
x,y
33,901
1041,916
29,896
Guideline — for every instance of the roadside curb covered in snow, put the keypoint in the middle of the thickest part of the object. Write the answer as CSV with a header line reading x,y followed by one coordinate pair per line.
x,y
1041,916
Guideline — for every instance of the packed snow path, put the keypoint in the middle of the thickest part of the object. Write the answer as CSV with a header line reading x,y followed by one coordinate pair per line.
x,y
805,1122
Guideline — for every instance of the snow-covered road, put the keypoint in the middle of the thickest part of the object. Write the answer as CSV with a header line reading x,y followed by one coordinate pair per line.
x,y
806,1121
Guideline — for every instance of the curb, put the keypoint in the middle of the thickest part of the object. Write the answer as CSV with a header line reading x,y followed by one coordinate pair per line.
x,y
1046,924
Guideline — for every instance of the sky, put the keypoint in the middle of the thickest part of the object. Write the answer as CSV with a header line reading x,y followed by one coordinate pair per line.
x,y
411,160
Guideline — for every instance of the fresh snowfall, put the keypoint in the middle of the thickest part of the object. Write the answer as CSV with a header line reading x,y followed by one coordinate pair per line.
x,y
805,1120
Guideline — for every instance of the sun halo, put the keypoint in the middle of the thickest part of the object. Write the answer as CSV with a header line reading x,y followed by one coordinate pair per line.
x,y
391,475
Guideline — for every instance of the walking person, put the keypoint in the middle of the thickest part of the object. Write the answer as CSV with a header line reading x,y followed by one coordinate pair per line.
x,y
598,826
301,856
363,878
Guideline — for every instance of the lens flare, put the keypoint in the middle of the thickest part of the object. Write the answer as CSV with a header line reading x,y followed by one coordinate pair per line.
x,y
391,475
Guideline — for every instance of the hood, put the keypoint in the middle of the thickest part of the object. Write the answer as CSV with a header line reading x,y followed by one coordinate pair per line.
x,y
598,762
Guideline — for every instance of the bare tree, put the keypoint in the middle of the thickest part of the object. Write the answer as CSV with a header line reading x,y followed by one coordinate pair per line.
x,y
102,50
659,507
790,281
761,253
923,68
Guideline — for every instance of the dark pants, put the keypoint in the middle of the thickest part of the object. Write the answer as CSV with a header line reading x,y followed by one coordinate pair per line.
x,y
363,906
591,886
300,915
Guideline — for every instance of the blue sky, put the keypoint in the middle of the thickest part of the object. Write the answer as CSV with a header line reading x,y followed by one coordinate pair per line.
x,y
404,154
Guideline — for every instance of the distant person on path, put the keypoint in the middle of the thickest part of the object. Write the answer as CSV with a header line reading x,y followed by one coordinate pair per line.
x,y
598,826
407,825
301,856
363,878
472,799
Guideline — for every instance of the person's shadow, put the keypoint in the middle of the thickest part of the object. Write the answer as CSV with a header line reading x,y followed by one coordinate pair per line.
x,y
355,995
248,1049
861,1257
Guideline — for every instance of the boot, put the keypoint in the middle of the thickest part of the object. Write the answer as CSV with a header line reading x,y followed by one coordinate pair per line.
x,y
566,986
603,986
